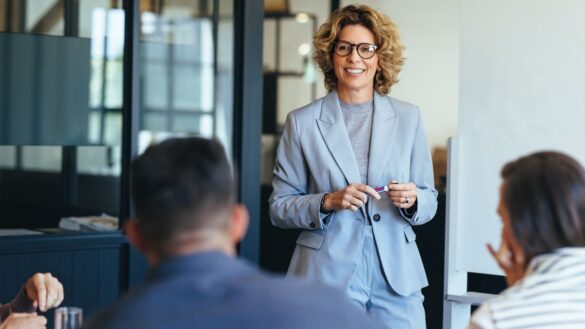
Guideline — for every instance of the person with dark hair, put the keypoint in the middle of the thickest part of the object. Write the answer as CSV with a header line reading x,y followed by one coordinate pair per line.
x,y
353,170
41,291
542,251
188,226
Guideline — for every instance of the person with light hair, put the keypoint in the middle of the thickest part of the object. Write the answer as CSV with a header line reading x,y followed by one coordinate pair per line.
x,y
353,171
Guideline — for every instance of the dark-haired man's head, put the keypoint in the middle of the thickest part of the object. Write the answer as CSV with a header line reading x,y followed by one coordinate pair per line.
x,y
542,200
183,193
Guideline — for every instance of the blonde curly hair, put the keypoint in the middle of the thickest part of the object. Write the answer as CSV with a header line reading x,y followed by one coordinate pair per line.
x,y
390,49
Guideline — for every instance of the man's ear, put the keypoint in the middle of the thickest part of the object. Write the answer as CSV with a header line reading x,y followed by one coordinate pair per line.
x,y
239,223
133,235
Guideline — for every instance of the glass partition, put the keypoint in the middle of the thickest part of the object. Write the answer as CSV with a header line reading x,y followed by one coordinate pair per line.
x,y
186,70
61,101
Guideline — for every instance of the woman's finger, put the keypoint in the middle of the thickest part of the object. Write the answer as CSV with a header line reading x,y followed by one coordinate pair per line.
x,y
352,197
354,201
353,192
494,254
400,205
492,251
400,187
368,190
402,194
348,205
403,199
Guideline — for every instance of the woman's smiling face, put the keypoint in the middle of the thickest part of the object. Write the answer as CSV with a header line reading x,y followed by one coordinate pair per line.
x,y
355,75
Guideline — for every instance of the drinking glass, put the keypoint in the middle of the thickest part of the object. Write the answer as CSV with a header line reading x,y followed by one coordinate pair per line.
x,y
68,318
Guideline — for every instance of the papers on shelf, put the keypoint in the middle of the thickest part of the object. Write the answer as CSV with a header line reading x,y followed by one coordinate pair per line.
x,y
17,231
89,223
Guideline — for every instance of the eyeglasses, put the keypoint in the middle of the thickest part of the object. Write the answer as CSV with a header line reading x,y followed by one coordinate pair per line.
x,y
365,50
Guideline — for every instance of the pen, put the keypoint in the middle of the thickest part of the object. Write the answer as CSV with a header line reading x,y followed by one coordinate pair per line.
x,y
381,189
384,188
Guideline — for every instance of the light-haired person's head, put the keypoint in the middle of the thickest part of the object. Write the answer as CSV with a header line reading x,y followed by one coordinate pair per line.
x,y
183,193
387,39
543,198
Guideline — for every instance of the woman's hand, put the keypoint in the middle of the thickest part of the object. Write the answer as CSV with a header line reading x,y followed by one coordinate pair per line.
x,y
402,195
352,197
44,290
510,258
24,321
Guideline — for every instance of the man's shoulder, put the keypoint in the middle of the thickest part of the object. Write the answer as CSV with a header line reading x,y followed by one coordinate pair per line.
x,y
319,305
293,287
269,285
247,296
124,312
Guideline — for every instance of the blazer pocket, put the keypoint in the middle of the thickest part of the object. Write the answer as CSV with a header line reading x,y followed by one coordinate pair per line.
x,y
409,234
310,239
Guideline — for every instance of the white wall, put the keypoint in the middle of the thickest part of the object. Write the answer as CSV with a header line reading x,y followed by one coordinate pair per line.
x,y
522,89
429,79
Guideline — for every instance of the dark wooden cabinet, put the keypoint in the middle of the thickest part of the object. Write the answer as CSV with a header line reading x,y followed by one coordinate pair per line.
x,y
95,269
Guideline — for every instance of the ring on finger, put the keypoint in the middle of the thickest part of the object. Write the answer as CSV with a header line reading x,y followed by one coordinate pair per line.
x,y
406,200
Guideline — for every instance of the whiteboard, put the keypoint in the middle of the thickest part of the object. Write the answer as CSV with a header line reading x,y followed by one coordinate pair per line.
x,y
522,89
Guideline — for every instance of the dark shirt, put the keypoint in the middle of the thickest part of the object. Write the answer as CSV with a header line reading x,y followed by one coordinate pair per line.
x,y
213,290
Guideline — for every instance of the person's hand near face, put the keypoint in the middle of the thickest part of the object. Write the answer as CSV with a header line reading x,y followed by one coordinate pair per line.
x,y
510,256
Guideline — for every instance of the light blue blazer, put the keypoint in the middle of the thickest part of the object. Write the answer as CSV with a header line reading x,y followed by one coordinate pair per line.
x,y
315,156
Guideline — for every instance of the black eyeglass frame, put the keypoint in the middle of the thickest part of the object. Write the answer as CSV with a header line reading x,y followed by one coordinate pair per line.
x,y
357,47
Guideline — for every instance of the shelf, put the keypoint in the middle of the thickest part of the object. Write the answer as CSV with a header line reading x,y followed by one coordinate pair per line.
x,y
60,242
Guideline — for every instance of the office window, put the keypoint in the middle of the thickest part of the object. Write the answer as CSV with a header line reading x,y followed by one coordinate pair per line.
x,y
60,144
186,84
62,100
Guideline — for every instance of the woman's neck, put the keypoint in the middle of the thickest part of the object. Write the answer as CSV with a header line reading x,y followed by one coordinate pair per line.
x,y
355,96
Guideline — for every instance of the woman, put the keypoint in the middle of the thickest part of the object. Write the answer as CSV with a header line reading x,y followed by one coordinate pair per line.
x,y
542,206
333,155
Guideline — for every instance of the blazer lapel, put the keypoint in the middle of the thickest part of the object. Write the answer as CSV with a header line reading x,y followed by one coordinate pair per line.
x,y
334,133
384,124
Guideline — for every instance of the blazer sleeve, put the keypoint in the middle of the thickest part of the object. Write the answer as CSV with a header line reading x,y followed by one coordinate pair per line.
x,y
290,204
421,174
